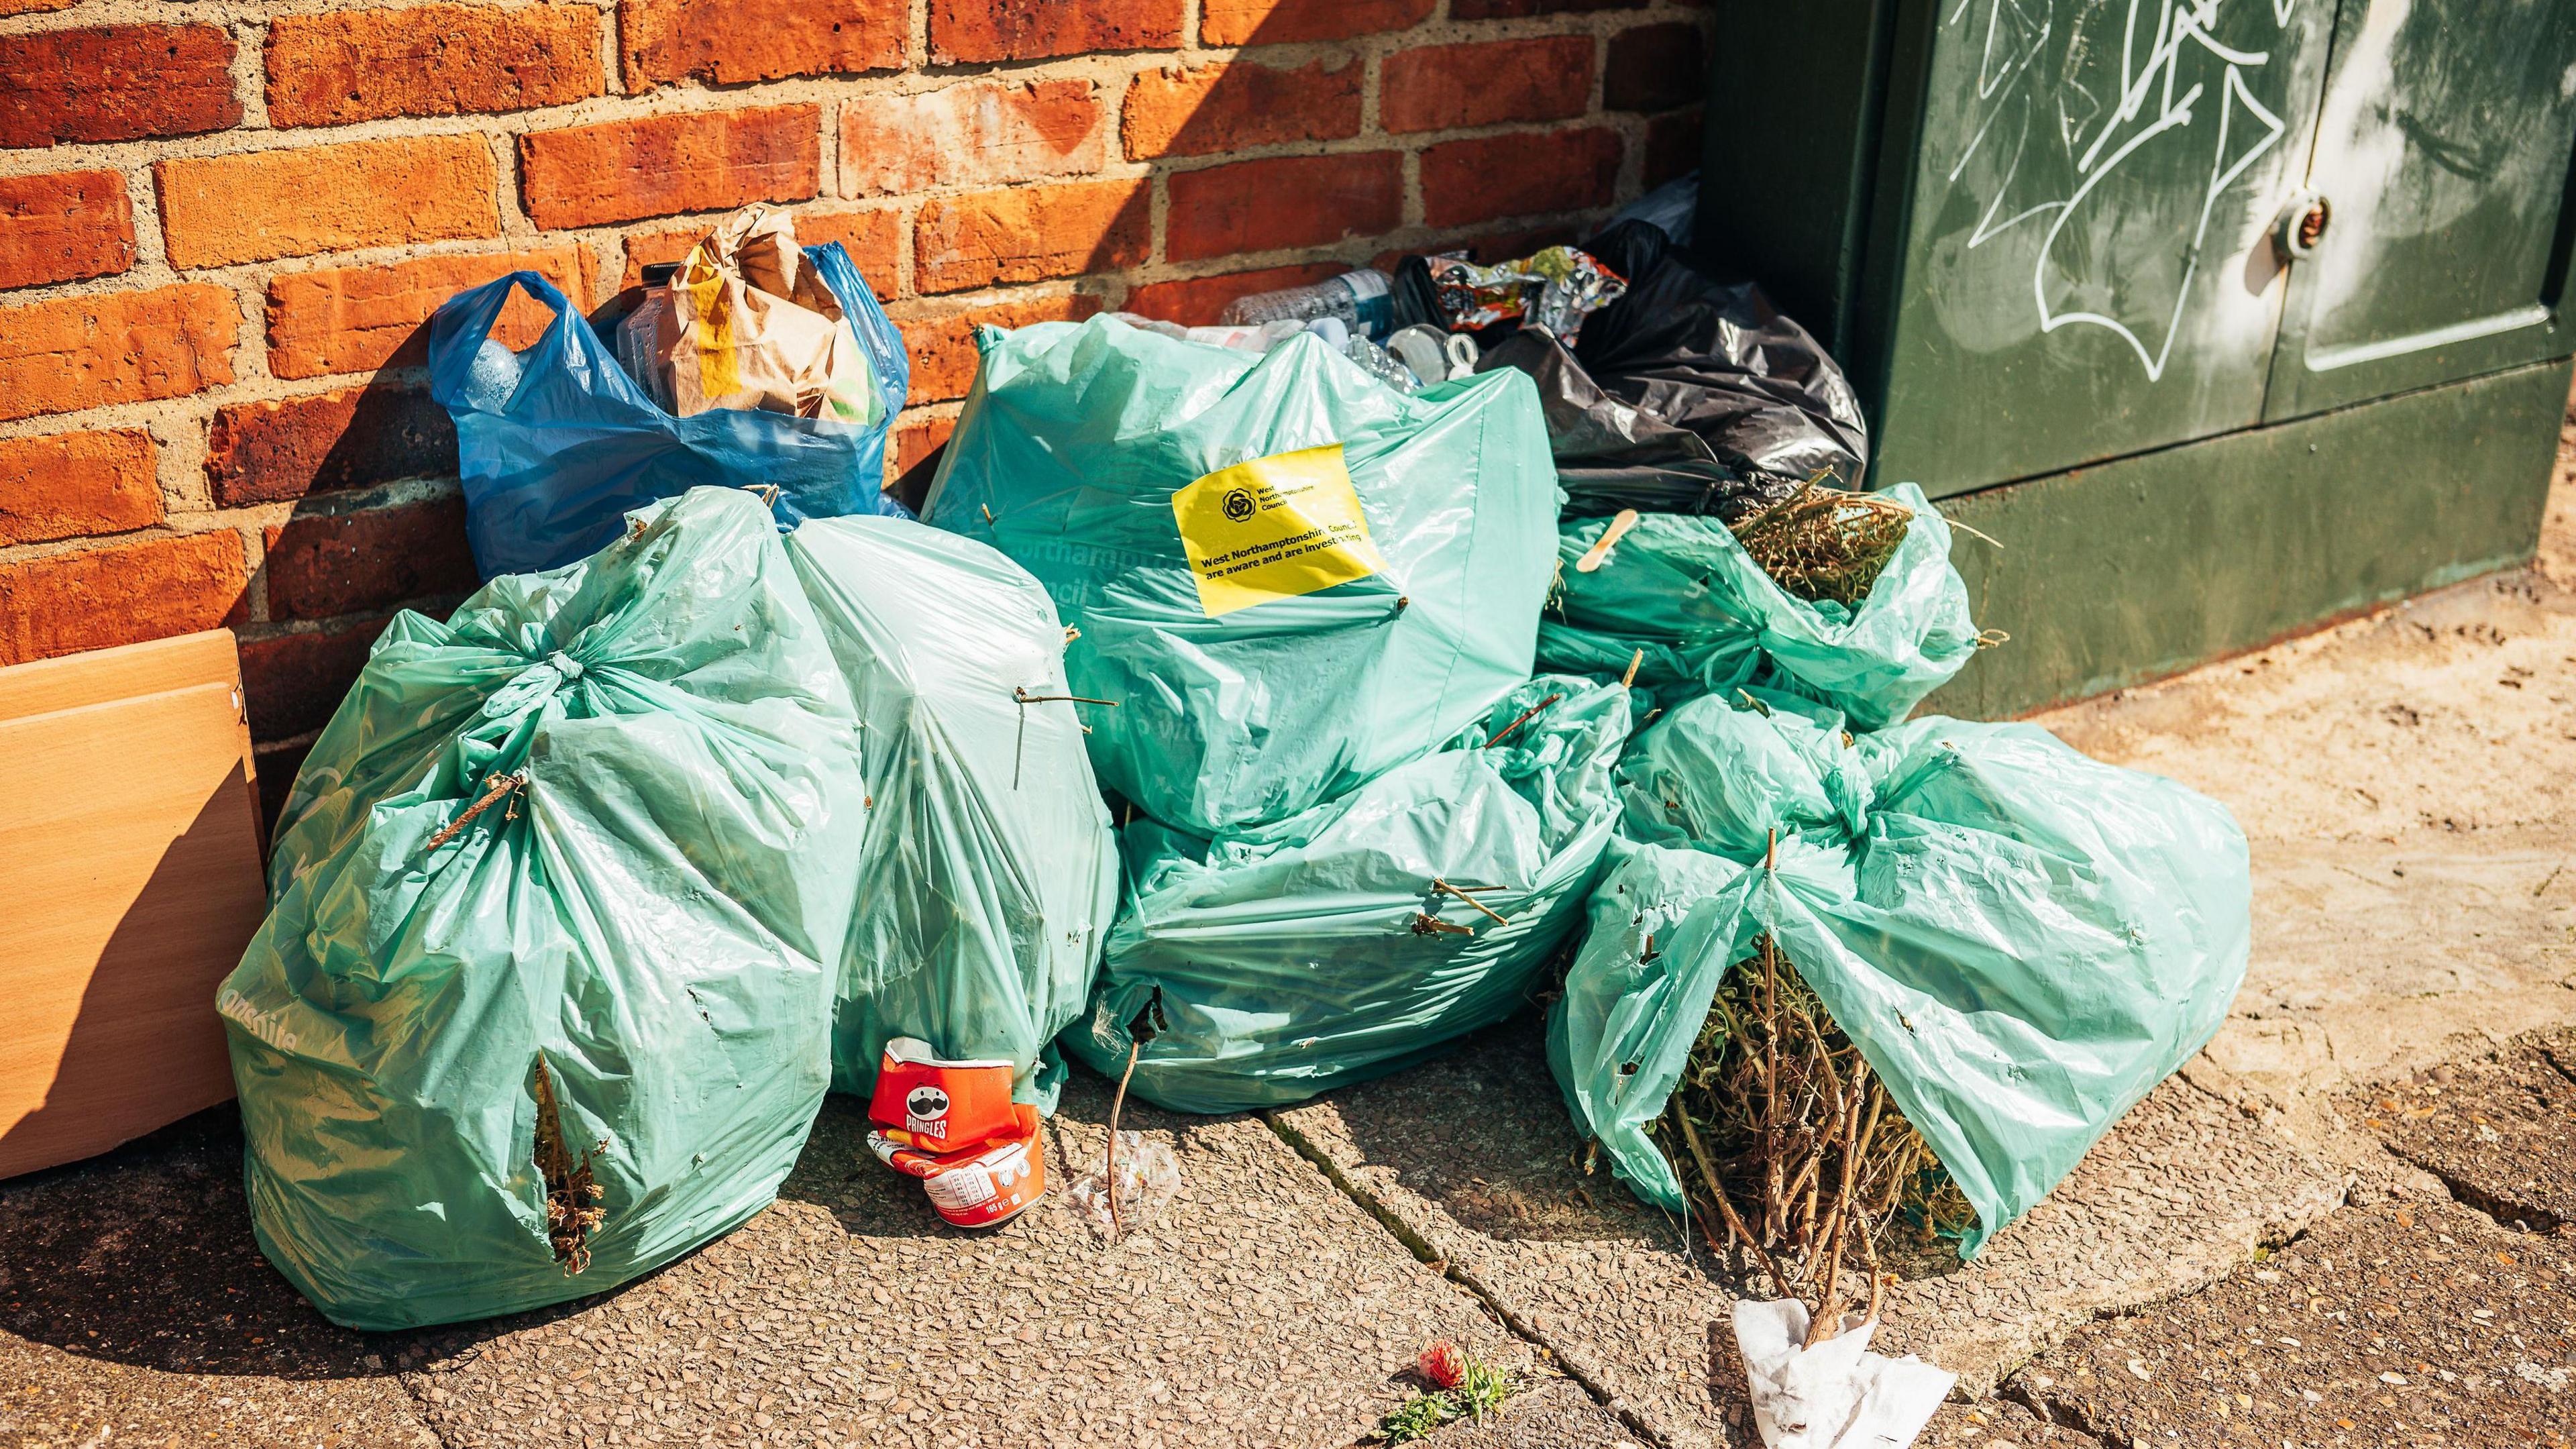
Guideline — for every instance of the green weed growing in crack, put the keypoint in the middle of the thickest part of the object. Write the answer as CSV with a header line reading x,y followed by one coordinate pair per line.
x,y
1461,1388
1415,1418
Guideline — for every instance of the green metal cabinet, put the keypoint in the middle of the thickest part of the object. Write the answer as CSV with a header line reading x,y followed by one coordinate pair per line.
x,y
2059,244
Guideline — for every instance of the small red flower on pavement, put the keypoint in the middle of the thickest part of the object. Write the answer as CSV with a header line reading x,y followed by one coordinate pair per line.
x,y
1442,1364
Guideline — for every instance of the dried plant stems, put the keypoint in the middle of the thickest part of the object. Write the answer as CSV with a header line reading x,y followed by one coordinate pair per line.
x,y
1824,543
1790,1140
1148,1022
1521,719
572,1196
494,787
1734,1224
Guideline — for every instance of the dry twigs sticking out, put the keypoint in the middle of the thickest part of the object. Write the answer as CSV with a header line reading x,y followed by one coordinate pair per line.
x,y
1522,718
1468,894
1824,543
495,787
573,1212
1790,1141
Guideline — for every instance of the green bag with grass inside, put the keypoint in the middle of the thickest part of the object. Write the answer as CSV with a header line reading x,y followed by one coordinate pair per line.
x,y
1361,935
1619,1036
2022,941
1730,772
1289,577
989,875
1679,588
567,877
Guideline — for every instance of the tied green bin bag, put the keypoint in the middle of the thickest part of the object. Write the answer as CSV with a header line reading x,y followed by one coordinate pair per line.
x,y
1726,773
640,921
1300,956
989,875
1680,588
1290,577
2023,942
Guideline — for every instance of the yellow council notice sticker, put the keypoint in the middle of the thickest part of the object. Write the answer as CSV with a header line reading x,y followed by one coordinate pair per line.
x,y
1274,528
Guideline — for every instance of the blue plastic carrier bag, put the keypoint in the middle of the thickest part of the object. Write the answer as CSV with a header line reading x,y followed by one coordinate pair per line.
x,y
557,444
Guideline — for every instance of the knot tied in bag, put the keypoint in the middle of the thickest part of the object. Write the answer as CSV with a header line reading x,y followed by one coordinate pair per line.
x,y
531,687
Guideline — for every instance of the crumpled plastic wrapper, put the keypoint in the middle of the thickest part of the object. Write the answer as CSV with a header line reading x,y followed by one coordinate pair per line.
x,y
1554,289
1148,1176
1836,1395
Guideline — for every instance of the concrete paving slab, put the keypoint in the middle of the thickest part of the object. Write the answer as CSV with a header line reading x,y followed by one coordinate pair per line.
x,y
1554,1414
2408,785
2183,1190
1262,1307
134,1308
1474,1158
2498,1130
2405,1323
1999,1424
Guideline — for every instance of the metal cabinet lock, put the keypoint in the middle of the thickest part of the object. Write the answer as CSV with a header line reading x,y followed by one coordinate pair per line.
x,y
2302,227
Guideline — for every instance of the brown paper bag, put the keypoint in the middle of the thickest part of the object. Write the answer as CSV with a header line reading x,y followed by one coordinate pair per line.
x,y
751,326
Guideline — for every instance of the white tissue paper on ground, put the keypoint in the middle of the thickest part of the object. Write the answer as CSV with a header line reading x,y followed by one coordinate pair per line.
x,y
1837,1395
1148,1176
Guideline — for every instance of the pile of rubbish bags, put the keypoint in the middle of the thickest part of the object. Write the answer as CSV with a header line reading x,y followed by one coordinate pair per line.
x,y
626,863
1309,604
1259,708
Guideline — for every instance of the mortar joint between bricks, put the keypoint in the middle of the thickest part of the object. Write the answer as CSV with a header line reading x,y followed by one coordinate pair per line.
x,y
248,70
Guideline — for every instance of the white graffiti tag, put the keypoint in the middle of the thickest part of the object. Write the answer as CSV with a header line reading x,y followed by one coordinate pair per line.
x,y
2120,249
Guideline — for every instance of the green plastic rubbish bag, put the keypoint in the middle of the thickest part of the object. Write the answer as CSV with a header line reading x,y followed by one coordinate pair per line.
x,y
1732,772
1301,956
651,916
2023,942
1633,1005
1681,589
989,875
1290,577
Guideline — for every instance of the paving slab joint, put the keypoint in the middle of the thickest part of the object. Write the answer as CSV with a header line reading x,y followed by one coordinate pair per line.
x,y
2549,1051
2505,1213
1423,1249
2056,1413
421,1410
2010,1365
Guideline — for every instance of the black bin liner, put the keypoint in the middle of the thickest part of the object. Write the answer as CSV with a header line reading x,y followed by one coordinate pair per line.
x,y
1688,394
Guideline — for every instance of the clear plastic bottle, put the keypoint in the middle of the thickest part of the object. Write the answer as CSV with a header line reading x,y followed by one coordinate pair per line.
x,y
494,377
637,341
1364,300
1242,339
1383,365
1151,324
1274,332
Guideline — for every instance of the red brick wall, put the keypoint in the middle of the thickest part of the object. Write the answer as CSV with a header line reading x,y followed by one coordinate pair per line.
x,y
223,226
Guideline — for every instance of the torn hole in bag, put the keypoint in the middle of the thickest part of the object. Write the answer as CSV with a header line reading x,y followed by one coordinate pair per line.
x,y
573,1212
